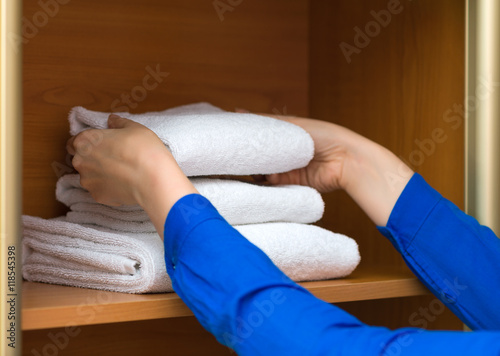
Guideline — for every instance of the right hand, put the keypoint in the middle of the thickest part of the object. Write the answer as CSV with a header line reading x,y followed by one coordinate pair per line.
x,y
333,145
372,175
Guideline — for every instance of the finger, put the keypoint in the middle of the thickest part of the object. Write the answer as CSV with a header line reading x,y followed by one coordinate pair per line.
x,y
118,122
279,178
81,142
76,162
291,177
274,179
85,141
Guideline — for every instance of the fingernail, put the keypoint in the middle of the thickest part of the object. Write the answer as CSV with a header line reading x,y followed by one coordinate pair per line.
x,y
114,116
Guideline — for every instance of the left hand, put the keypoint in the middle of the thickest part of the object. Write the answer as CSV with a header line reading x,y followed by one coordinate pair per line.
x,y
114,164
128,164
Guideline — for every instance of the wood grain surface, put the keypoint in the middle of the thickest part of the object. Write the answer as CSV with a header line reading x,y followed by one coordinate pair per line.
x,y
397,91
275,56
96,53
404,89
80,306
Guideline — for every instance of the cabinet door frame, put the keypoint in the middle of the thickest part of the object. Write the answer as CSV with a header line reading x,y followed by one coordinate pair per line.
x,y
10,174
482,146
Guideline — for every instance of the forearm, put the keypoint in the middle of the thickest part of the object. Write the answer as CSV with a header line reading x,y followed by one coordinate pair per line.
x,y
232,287
449,251
374,178
241,297
456,258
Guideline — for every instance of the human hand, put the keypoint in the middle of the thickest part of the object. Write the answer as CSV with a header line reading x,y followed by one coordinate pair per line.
x,y
128,164
114,163
372,175
334,148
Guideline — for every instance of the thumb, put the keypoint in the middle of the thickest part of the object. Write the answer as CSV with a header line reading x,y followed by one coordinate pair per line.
x,y
118,122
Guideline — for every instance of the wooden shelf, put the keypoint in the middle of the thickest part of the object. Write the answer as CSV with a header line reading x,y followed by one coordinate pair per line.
x,y
51,306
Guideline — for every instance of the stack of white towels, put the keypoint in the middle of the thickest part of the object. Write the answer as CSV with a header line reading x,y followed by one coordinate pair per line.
x,y
118,249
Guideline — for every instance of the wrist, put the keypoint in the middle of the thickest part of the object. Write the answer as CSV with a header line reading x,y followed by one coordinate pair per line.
x,y
161,185
376,179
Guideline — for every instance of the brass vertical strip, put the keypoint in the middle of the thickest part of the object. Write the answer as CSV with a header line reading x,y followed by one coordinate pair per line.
x,y
483,112
470,83
10,175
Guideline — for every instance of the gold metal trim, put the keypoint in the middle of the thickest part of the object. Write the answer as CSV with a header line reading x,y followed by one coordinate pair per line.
x,y
10,165
483,112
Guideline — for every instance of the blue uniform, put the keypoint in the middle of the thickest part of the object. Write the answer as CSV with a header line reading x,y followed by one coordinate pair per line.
x,y
242,298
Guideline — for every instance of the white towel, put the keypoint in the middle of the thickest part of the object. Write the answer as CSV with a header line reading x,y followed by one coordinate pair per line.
x,y
206,140
56,251
238,202
59,252
304,252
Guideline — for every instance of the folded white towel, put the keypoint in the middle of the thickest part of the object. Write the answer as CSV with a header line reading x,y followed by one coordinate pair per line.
x,y
238,202
304,252
56,251
206,140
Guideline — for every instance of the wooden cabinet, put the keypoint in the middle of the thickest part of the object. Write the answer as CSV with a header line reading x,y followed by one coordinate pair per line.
x,y
390,70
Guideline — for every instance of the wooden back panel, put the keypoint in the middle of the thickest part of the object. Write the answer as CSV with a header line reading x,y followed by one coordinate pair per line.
x,y
99,54
266,56
403,87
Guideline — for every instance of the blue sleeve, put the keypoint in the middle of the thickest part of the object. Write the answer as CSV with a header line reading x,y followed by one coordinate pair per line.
x,y
451,253
248,304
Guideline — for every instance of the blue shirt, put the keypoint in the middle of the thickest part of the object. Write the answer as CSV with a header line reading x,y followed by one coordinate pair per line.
x,y
248,304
